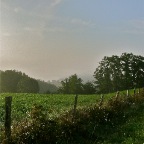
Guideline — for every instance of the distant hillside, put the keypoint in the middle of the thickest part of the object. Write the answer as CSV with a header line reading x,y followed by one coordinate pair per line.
x,y
45,87
13,81
57,83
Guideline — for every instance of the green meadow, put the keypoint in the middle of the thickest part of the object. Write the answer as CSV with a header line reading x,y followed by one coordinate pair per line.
x,y
125,124
53,104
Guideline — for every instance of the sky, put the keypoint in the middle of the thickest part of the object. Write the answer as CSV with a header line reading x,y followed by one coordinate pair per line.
x,y
53,39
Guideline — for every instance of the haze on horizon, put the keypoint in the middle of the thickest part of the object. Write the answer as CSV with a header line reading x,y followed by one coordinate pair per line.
x,y
52,39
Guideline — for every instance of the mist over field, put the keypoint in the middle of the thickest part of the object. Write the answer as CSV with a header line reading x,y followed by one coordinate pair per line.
x,y
72,71
54,39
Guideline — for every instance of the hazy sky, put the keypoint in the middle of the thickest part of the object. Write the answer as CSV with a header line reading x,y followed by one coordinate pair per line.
x,y
52,39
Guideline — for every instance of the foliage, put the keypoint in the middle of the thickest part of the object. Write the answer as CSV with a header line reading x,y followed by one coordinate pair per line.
x,y
74,85
89,88
13,81
9,80
27,85
118,73
45,87
71,85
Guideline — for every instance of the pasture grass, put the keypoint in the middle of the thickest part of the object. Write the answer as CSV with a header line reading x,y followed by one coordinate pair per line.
x,y
91,121
54,104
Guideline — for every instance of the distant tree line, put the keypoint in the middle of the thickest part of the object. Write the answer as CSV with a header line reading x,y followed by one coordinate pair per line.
x,y
14,82
46,88
75,85
114,73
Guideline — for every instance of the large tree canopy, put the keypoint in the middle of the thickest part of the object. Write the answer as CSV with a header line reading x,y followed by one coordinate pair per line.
x,y
119,73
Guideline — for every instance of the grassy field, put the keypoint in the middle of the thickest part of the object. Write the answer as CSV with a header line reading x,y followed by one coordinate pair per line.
x,y
126,130
53,104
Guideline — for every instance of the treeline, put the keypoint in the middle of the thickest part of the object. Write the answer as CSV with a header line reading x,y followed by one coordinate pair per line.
x,y
13,81
47,88
114,73
75,85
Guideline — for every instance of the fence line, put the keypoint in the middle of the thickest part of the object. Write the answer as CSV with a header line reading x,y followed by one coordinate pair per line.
x,y
75,106
134,92
127,93
8,101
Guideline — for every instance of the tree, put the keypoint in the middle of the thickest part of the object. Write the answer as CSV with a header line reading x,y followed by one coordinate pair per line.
x,y
45,87
103,76
28,85
88,88
71,85
119,73
65,88
9,80
126,60
13,81
137,71
116,73
133,70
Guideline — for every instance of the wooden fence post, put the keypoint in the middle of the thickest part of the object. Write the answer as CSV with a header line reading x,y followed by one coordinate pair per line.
x,y
134,91
8,101
127,93
101,100
117,95
138,91
75,105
